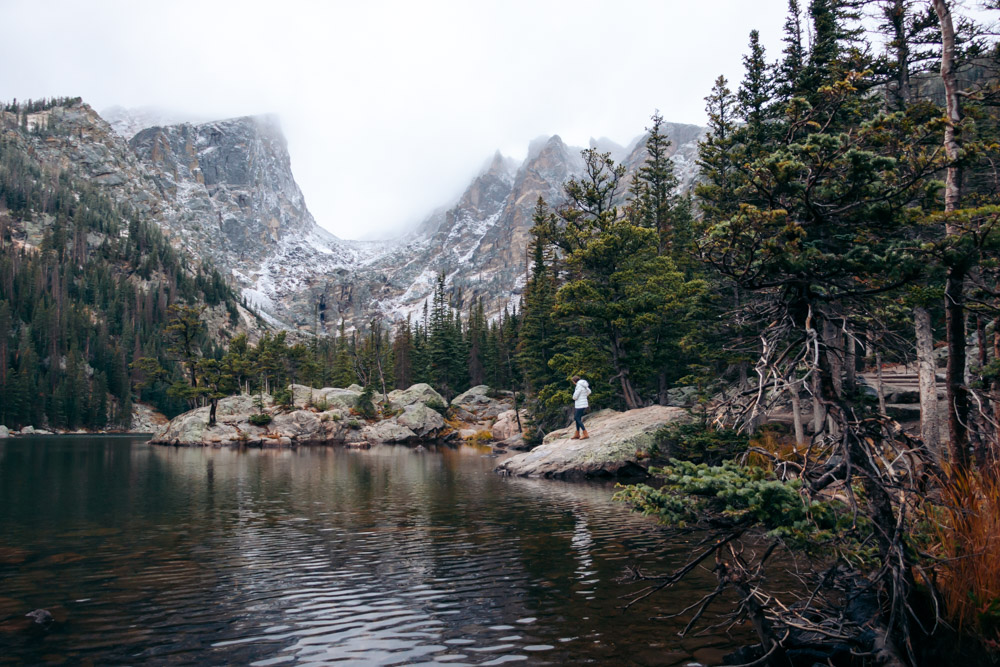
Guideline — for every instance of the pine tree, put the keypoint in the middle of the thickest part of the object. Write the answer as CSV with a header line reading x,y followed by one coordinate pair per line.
x,y
789,71
539,335
756,90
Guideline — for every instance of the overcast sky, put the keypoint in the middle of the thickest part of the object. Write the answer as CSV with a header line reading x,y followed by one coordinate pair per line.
x,y
390,108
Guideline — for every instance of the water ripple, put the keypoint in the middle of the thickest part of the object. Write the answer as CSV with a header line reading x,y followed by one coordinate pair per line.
x,y
322,556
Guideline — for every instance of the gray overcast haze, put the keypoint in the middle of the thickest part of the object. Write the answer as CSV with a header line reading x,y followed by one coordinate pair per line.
x,y
390,108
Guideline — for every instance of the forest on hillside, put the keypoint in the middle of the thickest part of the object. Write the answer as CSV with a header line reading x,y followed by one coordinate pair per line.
x,y
86,288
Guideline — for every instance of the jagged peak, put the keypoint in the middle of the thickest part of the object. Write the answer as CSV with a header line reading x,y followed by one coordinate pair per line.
x,y
605,145
541,143
497,165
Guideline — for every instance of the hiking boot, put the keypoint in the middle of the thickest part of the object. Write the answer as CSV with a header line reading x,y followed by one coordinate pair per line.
x,y
584,436
576,436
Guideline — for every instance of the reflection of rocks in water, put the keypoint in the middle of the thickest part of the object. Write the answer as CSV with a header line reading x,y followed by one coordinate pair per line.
x,y
12,555
92,532
10,606
61,559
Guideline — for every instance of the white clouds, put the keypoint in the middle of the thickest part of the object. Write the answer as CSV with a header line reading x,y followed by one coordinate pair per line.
x,y
390,107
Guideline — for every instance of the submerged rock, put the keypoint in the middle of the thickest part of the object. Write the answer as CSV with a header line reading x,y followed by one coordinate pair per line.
x,y
616,441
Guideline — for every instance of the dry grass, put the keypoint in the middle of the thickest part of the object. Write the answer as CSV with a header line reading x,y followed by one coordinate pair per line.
x,y
779,444
480,438
966,528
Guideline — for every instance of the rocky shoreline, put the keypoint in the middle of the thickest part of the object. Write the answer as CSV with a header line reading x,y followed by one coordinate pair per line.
x,y
333,415
419,415
616,448
145,420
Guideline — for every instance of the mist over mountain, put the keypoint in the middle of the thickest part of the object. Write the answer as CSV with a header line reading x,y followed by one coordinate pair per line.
x,y
224,191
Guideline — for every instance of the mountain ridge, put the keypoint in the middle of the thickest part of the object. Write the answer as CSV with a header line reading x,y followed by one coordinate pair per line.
x,y
224,190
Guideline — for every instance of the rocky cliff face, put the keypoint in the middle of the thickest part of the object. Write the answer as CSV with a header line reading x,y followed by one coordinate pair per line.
x,y
481,242
224,191
236,201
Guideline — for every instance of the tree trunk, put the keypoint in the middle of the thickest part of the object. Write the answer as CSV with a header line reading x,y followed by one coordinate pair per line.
x,y
850,361
897,19
793,392
629,394
995,386
833,340
880,389
927,374
662,397
214,402
953,176
958,395
958,398
819,412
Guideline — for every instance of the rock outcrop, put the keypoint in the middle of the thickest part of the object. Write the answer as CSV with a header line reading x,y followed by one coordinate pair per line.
x,y
224,191
418,393
617,441
481,403
315,416
506,426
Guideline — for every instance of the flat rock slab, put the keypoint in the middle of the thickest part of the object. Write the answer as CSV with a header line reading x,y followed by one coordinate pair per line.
x,y
611,451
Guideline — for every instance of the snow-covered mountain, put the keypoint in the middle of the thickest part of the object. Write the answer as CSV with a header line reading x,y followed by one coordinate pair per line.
x,y
480,243
224,191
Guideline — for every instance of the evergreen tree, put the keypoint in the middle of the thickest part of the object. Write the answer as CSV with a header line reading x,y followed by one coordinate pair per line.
x,y
539,333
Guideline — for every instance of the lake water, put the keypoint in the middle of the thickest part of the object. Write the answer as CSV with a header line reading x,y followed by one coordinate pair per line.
x,y
158,555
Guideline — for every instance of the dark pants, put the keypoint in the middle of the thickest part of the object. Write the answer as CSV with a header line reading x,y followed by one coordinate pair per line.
x,y
578,418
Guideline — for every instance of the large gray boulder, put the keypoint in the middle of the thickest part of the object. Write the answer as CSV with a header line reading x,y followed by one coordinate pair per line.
x,y
611,451
418,393
506,424
476,404
300,425
303,397
387,431
4,432
244,404
341,399
422,420
185,428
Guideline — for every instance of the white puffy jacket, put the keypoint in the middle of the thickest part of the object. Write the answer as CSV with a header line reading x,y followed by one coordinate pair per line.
x,y
580,394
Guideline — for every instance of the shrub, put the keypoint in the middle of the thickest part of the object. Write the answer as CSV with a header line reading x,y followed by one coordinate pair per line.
x,y
354,423
284,397
698,443
438,406
320,404
732,494
481,437
364,406
260,419
961,535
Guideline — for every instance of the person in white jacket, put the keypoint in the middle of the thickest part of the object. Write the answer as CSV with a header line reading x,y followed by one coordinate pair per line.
x,y
580,405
